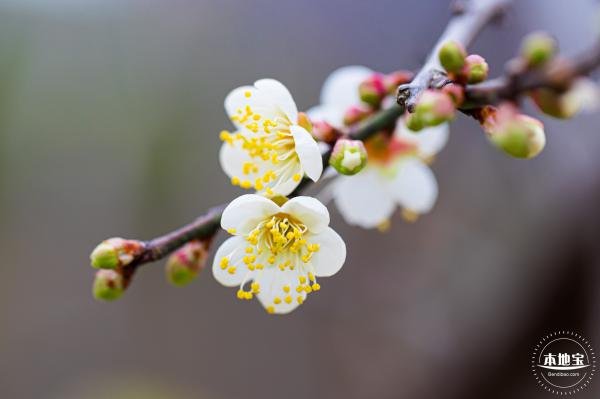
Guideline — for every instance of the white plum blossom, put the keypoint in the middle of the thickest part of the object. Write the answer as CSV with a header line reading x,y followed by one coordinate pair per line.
x,y
396,173
272,149
277,252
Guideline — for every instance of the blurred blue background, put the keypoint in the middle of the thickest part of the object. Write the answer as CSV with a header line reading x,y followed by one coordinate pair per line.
x,y
109,119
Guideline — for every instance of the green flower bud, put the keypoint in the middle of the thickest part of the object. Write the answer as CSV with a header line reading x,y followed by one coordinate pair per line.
x,y
186,263
434,108
537,48
348,156
104,256
413,122
452,56
109,285
475,69
372,90
516,134
553,103
115,252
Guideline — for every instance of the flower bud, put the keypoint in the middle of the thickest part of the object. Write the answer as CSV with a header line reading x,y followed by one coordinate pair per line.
x,y
115,252
434,108
392,80
518,135
109,285
186,263
475,69
372,90
356,113
413,122
452,56
348,156
456,93
553,103
323,131
537,48
304,121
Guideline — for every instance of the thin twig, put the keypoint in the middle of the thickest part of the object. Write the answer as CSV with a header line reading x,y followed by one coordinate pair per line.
x,y
557,75
462,28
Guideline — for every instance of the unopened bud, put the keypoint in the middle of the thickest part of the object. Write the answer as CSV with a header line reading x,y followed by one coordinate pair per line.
x,y
115,252
475,69
413,122
304,121
553,103
455,92
518,135
348,156
434,108
186,263
392,80
323,131
537,48
109,285
372,90
357,113
452,56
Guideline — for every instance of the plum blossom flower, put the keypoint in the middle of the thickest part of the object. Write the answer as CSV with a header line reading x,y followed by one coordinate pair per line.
x,y
277,252
272,148
396,173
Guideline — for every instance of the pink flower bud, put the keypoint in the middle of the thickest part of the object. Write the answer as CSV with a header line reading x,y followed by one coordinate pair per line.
x,y
518,135
392,80
475,69
186,263
357,113
323,131
455,92
434,108
348,156
372,90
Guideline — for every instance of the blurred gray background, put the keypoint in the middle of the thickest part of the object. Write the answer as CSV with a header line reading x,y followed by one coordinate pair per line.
x,y
109,119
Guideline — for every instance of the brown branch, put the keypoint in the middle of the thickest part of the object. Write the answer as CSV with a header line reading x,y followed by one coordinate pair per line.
x,y
557,75
462,28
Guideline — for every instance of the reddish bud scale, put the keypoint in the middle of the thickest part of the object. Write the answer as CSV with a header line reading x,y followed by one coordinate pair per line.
x,y
357,113
392,80
323,131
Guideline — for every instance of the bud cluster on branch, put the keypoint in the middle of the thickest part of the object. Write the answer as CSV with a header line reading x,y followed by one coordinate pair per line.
x,y
379,132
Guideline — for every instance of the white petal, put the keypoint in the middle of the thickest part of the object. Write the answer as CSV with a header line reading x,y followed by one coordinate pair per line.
x,y
341,86
233,248
429,141
245,212
414,186
330,257
308,152
280,95
237,99
309,211
232,159
271,282
332,114
261,101
362,199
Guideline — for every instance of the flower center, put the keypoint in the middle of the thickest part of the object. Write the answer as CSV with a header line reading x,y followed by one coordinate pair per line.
x,y
269,144
383,148
277,242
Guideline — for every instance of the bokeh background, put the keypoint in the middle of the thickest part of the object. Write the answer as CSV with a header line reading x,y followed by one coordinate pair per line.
x,y
109,119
